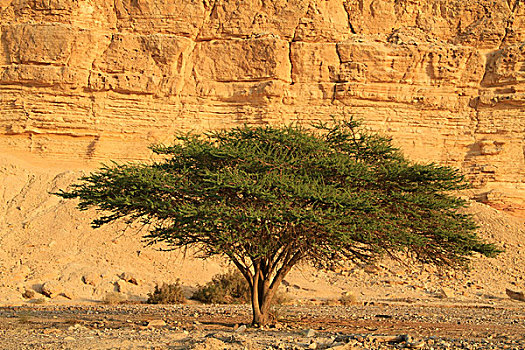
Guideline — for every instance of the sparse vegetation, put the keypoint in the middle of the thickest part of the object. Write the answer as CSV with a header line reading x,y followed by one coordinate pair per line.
x,y
230,288
269,197
281,298
227,288
347,299
112,298
167,294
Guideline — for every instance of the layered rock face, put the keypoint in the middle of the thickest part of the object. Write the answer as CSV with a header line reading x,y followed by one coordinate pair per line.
x,y
89,80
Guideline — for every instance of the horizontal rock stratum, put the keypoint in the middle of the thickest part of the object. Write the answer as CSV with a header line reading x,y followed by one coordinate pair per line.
x,y
96,79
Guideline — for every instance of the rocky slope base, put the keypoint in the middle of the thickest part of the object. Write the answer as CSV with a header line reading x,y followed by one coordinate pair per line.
x,y
49,253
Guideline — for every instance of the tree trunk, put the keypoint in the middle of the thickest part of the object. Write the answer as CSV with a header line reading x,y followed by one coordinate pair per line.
x,y
264,288
260,318
262,297
261,310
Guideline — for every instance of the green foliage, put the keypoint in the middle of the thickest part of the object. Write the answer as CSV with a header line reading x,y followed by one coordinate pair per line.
x,y
268,197
227,288
249,191
167,294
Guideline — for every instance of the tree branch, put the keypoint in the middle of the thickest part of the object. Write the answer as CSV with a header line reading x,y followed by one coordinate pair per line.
x,y
287,266
243,268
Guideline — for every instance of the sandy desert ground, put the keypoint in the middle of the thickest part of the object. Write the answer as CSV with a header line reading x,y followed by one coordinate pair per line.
x,y
381,325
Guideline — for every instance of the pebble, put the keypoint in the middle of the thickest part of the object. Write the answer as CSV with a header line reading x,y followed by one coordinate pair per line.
x,y
240,329
156,323
503,333
309,333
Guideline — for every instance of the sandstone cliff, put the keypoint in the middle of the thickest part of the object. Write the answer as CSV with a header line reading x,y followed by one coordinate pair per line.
x,y
97,79
83,81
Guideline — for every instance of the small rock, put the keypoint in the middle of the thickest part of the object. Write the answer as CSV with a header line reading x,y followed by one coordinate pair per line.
x,y
340,339
416,345
69,338
129,278
122,286
383,316
348,298
92,279
312,346
68,294
29,294
240,329
309,333
445,293
407,338
77,327
389,338
515,295
277,326
156,323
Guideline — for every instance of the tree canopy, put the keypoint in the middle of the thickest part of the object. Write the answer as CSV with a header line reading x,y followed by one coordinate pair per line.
x,y
267,197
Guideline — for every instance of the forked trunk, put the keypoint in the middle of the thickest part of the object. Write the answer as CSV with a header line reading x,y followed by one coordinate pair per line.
x,y
262,296
263,286
261,317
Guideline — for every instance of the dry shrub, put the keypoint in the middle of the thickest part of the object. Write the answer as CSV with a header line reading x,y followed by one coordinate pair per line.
x,y
282,298
167,294
347,299
112,298
227,288
230,288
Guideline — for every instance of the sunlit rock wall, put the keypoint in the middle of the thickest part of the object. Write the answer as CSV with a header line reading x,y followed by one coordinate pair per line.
x,y
89,80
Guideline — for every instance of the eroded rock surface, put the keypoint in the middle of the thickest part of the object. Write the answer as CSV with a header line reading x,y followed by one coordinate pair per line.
x,y
85,80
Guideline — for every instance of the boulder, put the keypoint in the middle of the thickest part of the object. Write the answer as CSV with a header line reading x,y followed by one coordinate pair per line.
x,y
92,279
520,296
28,294
52,289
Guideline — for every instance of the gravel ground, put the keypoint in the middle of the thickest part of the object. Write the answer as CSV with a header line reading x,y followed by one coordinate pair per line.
x,y
372,326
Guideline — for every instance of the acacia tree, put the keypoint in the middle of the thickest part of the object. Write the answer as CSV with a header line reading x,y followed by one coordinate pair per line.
x,y
270,197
